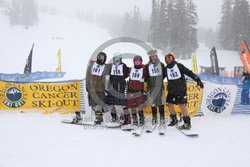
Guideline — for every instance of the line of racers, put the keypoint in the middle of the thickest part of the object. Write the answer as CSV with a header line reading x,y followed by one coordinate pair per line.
x,y
125,88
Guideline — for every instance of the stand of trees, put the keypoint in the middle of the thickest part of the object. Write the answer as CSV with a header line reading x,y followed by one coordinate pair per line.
x,y
23,12
174,26
234,24
135,25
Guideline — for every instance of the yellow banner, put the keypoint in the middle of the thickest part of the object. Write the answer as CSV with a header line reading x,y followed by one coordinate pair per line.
x,y
40,96
194,95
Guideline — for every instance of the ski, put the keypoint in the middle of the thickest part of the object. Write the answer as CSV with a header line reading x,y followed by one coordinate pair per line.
x,y
108,125
135,129
162,128
127,128
151,128
187,133
139,131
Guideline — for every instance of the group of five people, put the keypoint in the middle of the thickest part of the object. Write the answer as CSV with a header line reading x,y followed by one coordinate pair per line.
x,y
125,88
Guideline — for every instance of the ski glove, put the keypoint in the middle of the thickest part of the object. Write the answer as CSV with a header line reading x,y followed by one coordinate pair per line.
x,y
199,83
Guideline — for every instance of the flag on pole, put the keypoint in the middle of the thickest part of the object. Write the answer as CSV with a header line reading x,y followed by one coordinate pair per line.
x,y
194,64
214,62
59,67
28,65
245,56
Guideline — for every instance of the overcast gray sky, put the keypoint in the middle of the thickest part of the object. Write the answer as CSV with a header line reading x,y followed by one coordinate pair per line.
x,y
208,10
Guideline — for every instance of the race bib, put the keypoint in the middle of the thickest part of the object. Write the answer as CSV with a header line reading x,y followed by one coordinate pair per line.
x,y
136,74
117,70
174,73
155,70
97,69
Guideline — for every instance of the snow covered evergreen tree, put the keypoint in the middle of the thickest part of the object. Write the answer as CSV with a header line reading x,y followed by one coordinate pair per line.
x,y
234,24
180,29
241,26
15,12
192,22
174,27
164,26
154,26
30,16
135,25
23,12
226,25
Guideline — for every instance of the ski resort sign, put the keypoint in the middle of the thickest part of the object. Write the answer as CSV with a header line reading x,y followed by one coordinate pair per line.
x,y
40,96
219,98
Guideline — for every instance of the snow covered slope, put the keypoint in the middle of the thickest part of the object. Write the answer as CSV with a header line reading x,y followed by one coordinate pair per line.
x,y
42,141
76,39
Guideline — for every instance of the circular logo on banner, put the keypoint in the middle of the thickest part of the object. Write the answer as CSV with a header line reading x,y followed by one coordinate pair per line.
x,y
13,96
218,100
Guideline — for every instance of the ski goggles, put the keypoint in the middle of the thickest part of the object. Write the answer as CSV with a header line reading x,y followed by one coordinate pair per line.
x,y
116,59
137,62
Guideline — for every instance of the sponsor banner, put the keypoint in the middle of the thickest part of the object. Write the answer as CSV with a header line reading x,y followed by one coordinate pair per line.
x,y
40,96
194,96
218,99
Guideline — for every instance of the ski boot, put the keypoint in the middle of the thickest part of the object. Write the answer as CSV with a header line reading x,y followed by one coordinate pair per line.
x,y
162,115
98,118
126,117
154,120
135,119
187,123
126,120
180,118
77,118
141,118
154,115
113,118
162,121
174,120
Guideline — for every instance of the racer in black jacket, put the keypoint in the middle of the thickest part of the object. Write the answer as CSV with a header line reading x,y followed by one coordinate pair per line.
x,y
177,89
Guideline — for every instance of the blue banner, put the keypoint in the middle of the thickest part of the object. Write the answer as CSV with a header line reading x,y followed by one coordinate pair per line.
x,y
242,102
30,77
221,79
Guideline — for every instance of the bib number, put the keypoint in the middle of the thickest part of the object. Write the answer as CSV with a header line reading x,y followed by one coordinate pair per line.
x,y
174,73
97,69
136,74
117,70
154,70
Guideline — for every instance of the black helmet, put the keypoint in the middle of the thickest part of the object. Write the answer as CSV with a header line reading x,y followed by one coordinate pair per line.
x,y
137,61
138,58
101,58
